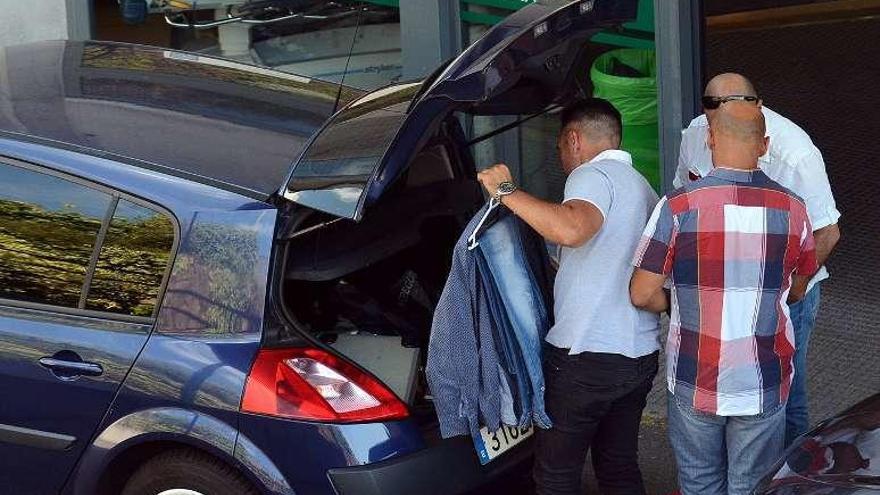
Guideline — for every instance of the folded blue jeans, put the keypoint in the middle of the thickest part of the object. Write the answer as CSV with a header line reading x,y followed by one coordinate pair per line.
x,y
515,390
502,247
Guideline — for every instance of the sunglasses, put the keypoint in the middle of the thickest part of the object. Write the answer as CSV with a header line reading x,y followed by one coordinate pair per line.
x,y
713,102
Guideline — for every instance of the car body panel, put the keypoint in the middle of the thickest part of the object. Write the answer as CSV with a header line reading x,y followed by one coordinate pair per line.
x,y
329,446
419,472
522,65
188,112
181,197
813,488
187,383
48,406
262,469
209,325
173,425
840,456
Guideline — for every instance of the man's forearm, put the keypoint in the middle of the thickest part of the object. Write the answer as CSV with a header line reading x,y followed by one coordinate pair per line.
x,y
826,239
657,303
554,222
646,291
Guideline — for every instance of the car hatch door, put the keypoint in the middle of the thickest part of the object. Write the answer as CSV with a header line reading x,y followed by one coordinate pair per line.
x,y
530,60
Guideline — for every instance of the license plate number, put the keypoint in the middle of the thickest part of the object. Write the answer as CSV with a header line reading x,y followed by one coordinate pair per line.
x,y
492,444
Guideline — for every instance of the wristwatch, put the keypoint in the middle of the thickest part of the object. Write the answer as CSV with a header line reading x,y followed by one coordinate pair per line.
x,y
505,189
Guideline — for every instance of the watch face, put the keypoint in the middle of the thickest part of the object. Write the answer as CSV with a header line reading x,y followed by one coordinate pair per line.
x,y
506,188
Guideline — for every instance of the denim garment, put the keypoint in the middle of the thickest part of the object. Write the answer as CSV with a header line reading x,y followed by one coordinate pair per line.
x,y
540,269
513,369
505,246
463,366
803,319
721,455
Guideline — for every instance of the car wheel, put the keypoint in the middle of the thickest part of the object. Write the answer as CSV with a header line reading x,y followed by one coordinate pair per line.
x,y
187,472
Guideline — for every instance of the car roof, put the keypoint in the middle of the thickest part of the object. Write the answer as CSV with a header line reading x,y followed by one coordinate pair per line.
x,y
221,120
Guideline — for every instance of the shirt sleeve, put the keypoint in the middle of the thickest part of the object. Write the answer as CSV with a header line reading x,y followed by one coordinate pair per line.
x,y
810,181
681,173
807,264
693,154
592,186
655,250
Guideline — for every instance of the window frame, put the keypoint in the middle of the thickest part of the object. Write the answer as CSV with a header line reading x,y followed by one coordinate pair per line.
x,y
115,196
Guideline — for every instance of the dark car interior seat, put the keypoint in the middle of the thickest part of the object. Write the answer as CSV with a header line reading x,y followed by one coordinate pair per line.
x,y
383,275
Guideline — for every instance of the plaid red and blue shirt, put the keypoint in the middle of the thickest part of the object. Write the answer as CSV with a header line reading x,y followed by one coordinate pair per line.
x,y
730,242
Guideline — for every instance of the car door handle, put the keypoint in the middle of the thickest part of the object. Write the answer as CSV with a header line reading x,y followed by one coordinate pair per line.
x,y
66,368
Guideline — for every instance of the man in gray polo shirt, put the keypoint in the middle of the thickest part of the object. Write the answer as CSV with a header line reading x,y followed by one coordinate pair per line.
x,y
602,357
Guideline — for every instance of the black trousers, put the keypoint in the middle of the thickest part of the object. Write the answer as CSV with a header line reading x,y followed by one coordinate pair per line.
x,y
595,401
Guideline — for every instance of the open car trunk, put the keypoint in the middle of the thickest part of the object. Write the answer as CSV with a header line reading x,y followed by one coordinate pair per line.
x,y
368,289
383,191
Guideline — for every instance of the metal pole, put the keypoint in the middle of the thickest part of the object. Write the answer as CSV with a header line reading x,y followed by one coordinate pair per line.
x,y
80,15
679,42
430,33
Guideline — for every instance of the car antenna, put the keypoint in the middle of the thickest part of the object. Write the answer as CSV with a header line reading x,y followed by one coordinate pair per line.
x,y
357,28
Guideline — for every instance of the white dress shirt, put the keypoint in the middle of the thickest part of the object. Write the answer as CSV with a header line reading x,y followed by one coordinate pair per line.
x,y
792,160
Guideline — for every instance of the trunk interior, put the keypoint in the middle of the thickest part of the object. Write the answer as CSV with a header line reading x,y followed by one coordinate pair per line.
x,y
368,289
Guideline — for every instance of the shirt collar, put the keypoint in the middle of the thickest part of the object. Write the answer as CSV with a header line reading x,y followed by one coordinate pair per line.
x,y
617,155
734,175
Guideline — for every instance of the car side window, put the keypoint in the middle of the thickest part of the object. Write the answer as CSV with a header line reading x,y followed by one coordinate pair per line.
x,y
132,263
48,230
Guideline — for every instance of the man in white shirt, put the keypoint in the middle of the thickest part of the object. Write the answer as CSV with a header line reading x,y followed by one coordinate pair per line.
x,y
602,354
793,161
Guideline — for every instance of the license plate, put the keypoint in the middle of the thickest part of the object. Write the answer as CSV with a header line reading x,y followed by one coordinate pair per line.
x,y
492,444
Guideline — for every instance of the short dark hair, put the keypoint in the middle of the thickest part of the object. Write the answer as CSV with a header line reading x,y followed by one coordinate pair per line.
x,y
594,115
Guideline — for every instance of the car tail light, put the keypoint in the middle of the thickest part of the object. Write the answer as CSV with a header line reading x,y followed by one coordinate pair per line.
x,y
314,385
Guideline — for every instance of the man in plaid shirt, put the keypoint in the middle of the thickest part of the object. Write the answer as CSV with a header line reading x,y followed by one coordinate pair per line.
x,y
737,246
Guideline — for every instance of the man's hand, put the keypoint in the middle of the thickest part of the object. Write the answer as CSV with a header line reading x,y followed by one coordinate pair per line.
x,y
798,288
571,224
493,176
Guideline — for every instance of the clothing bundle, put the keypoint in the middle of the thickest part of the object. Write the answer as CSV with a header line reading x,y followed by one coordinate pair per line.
x,y
484,357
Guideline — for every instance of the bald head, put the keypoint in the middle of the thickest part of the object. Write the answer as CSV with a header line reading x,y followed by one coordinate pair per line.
x,y
739,121
730,83
737,135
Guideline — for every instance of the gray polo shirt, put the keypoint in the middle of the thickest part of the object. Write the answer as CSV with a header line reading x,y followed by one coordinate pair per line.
x,y
592,305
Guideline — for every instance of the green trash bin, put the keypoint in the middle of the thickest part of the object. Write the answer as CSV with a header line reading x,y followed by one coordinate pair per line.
x,y
627,78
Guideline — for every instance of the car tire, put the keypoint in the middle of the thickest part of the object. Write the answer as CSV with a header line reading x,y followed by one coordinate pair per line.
x,y
189,472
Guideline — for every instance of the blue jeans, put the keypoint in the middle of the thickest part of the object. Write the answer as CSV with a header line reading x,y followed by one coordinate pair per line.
x,y
516,406
803,319
503,248
721,455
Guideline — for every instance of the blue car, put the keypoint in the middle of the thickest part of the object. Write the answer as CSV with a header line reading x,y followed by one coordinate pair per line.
x,y
217,278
